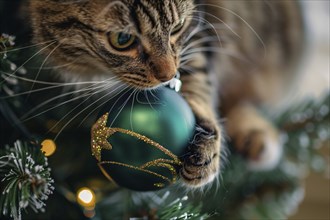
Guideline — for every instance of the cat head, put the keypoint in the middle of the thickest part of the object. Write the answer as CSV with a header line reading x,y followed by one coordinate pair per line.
x,y
138,41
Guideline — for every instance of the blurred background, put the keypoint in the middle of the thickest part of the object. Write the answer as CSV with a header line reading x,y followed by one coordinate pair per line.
x,y
315,83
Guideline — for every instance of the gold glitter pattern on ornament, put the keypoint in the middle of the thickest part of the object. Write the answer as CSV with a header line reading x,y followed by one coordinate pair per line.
x,y
136,168
159,185
101,133
157,161
162,163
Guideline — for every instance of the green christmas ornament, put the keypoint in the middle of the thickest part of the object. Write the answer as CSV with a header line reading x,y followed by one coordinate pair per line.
x,y
138,141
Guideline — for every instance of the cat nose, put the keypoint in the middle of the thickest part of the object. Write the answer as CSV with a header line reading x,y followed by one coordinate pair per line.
x,y
166,69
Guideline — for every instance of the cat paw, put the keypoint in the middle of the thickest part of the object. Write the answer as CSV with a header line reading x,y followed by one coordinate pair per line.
x,y
254,137
261,148
201,162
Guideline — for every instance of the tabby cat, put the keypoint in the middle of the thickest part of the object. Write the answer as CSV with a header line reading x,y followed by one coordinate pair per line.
x,y
232,57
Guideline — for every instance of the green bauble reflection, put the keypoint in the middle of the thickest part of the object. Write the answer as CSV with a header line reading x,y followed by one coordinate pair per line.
x,y
162,116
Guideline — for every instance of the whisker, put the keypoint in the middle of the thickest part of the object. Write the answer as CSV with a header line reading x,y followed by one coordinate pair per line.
x,y
132,107
123,105
243,20
195,30
97,107
60,104
196,42
74,117
88,89
221,21
51,83
42,64
52,67
208,26
46,88
26,47
190,70
148,100
214,50
28,60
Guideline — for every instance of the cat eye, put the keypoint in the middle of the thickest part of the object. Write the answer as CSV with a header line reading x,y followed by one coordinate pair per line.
x,y
177,28
121,40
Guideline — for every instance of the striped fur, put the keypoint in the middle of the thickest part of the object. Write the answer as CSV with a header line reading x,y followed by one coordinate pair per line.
x,y
232,55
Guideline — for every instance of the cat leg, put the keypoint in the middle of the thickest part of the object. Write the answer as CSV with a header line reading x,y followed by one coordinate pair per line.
x,y
254,137
202,160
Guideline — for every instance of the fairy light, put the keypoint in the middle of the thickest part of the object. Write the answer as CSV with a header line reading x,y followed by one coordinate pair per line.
x,y
86,197
48,147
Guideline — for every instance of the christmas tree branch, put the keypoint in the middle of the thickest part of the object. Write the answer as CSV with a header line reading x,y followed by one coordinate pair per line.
x,y
25,179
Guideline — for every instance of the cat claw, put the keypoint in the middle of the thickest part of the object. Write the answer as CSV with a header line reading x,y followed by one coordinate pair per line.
x,y
201,162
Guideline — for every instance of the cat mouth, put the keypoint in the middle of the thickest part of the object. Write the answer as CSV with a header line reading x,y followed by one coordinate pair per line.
x,y
145,84
142,84
167,83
